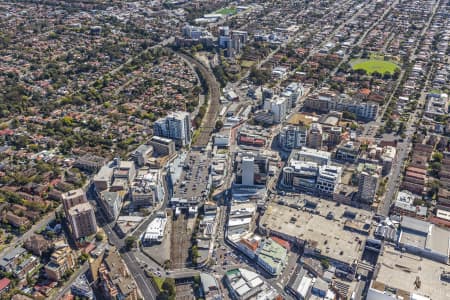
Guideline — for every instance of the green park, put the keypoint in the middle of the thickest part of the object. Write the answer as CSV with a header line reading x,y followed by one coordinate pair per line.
x,y
374,65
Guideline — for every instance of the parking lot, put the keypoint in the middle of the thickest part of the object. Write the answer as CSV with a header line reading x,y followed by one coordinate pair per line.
x,y
194,180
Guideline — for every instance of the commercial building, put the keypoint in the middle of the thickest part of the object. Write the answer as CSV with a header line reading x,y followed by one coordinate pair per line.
x,y
271,256
111,203
82,221
308,227
408,276
147,189
176,126
61,261
300,176
311,155
194,32
292,137
103,179
240,220
210,286
315,136
142,154
156,229
404,206
162,146
308,170
124,169
424,239
244,284
369,179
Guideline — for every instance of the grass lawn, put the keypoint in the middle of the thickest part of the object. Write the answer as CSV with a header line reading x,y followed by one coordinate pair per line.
x,y
247,63
159,282
227,11
374,65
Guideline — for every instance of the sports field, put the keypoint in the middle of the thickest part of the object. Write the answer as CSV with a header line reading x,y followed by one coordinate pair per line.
x,y
374,65
227,11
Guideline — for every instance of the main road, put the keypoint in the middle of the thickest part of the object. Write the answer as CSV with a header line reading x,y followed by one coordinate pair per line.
x,y
404,146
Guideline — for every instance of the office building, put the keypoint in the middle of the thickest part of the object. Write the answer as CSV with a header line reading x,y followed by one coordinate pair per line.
x,y
311,155
328,179
224,36
82,221
103,179
300,176
176,126
162,146
156,229
369,179
111,203
315,136
142,154
193,32
248,170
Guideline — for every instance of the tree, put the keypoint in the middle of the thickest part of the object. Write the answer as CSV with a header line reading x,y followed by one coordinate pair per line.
x,y
219,125
83,258
99,237
438,156
325,263
169,286
435,168
130,242
348,115
401,128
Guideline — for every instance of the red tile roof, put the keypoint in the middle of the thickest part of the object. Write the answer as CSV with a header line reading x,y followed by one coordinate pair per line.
x,y
283,243
4,283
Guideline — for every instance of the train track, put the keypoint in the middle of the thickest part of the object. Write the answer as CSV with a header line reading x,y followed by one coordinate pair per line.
x,y
180,243
209,120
